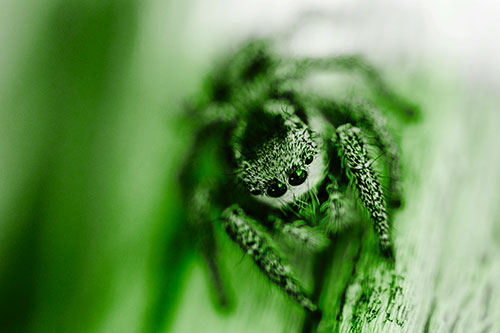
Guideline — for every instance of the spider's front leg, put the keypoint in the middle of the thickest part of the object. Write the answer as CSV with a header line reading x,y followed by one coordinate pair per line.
x,y
357,165
240,229
371,119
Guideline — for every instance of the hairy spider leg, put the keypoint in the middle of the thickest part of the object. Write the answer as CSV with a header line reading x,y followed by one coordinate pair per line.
x,y
200,222
333,208
358,64
298,233
363,114
239,228
372,120
355,161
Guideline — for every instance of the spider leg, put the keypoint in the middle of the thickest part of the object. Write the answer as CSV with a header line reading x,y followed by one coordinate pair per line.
x,y
200,222
355,161
371,118
333,208
358,64
366,116
300,234
240,229
199,187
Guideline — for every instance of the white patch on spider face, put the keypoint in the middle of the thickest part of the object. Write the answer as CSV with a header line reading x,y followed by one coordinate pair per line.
x,y
315,174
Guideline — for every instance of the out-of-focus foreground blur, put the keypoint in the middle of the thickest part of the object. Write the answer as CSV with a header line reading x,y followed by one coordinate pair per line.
x,y
92,138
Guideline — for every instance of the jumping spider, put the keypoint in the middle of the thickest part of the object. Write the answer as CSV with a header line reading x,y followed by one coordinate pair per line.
x,y
272,158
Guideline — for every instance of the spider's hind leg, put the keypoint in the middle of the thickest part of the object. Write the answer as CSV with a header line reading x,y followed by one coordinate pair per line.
x,y
357,165
358,64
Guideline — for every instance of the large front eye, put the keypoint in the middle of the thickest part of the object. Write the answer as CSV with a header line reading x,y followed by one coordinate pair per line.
x,y
277,189
297,177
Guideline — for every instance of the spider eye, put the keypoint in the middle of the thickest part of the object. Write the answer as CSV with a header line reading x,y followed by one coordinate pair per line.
x,y
297,177
276,190
309,159
256,192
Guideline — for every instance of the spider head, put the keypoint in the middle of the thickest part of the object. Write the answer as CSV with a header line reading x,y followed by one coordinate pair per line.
x,y
278,157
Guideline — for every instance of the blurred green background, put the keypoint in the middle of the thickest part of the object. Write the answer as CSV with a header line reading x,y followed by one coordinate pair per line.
x,y
92,139
87,162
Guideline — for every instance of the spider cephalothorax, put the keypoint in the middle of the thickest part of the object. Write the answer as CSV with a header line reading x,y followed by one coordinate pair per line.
x,y
286,158
277,155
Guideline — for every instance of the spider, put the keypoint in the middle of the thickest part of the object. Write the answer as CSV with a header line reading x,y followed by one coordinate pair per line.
x,y
271,158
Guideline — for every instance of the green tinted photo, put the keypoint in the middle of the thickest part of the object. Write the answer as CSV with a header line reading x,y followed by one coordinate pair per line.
x,y
224,166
